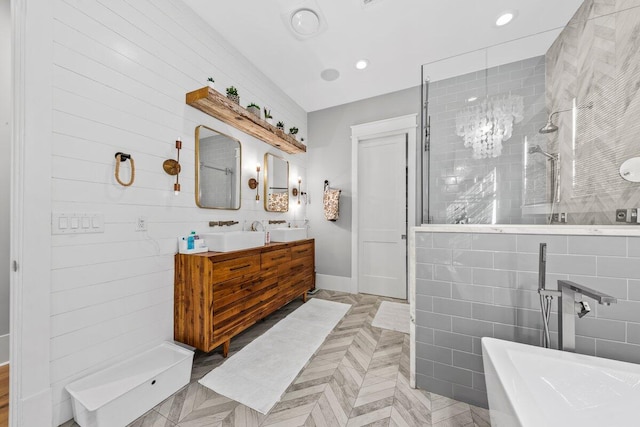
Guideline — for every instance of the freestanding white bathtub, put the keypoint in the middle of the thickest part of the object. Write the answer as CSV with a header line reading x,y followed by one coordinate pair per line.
x,y
533,387
121,393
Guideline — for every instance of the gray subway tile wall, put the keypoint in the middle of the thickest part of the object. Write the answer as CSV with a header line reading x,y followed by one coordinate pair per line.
x,y
634,290
489,288
458,182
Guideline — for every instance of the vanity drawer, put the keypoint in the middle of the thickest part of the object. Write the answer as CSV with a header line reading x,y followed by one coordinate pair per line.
x,y
301,251
236,267
295,284
236,289
271,258
296,266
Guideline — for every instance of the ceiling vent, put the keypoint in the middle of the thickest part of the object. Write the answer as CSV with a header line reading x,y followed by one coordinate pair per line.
x,y
304,19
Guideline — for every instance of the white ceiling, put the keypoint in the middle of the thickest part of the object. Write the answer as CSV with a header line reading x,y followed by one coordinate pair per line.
x,y
396,36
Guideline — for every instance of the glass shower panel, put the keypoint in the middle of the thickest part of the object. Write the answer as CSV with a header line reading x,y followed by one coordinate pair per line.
x,y
511,139
482,114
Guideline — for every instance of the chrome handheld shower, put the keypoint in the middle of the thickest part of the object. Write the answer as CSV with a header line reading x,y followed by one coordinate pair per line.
x,y
537,149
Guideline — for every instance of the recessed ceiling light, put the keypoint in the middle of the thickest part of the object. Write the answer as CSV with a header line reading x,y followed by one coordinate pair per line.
x,y
330,74
505,18
305,22
362,64
473,98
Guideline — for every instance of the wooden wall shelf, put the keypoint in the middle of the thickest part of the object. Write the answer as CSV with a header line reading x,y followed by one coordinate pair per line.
x,y
219,106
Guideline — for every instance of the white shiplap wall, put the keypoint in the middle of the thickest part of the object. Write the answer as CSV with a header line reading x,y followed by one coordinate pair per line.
x,y
121,70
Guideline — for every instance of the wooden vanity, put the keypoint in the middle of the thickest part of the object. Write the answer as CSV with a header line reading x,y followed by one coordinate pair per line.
x,y
220,294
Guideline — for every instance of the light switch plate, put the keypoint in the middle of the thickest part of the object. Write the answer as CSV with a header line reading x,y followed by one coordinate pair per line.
x,y
77,222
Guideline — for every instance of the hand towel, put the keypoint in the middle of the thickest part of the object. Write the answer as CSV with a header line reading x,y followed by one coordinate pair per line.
x,y
331,201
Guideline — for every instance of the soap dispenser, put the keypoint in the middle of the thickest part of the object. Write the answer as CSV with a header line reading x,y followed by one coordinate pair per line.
x,y
191,241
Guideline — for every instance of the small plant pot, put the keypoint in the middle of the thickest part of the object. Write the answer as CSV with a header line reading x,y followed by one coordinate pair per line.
x,y
269,120
211,85
254,110
234,98
294,135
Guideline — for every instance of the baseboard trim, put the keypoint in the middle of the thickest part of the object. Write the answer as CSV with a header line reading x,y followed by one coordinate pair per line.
x,y
4,349
36,410
335,283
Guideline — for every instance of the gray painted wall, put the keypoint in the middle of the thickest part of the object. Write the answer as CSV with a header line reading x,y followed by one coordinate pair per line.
x,y
471,286
5,161
329,157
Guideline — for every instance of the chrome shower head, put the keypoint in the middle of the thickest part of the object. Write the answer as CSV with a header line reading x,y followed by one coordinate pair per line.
x,y
549,127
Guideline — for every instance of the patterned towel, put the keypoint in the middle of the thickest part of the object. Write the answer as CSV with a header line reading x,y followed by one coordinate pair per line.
x,y
278,202
331,201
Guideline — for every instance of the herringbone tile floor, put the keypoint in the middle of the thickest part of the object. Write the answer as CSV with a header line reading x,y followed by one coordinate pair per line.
x,y
358,377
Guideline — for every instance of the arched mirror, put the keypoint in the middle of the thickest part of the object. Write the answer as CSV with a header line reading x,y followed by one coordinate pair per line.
x,y
218,170
276,187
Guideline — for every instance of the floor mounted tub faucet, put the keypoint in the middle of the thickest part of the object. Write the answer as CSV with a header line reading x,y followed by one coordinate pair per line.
x,y
570,304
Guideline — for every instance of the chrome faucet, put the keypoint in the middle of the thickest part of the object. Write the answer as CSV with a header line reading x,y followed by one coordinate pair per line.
x,y
571,303
255,225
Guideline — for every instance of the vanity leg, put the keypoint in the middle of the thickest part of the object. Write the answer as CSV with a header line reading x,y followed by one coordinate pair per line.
x,y
304,297
225,348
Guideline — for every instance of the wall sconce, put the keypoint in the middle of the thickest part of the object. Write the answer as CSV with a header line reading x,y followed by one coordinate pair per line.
x,y
297,192
253,183
172,167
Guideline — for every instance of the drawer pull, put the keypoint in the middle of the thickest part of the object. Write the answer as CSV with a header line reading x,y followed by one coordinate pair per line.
x,y
280,257
240,267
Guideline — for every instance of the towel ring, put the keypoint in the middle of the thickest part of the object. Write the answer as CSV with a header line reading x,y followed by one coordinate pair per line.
x,y
123,157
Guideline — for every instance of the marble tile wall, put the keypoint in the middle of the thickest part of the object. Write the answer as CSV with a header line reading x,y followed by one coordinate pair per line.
x,y
473,285
487,190
595,60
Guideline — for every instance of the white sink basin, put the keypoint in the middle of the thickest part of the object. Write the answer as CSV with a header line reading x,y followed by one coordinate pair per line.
x,y
288,234
233,240
534,386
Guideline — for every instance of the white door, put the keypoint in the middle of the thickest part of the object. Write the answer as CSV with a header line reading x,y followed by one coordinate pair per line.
x,y
382,216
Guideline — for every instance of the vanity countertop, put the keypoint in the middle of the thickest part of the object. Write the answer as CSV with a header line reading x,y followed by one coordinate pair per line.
x,y
221,256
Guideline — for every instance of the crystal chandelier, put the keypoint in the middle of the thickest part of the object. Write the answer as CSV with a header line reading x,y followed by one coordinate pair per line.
x,y
484,126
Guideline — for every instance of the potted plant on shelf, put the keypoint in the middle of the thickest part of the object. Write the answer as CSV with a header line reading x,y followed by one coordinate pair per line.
x,y
268,117
293,132
211,82
254,109
232,94
280,125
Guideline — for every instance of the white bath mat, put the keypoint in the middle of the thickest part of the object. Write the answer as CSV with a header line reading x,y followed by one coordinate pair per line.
x,y
392,315
259,374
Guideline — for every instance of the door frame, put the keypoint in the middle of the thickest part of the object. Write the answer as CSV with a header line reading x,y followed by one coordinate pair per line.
x,y
403,125
30,399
